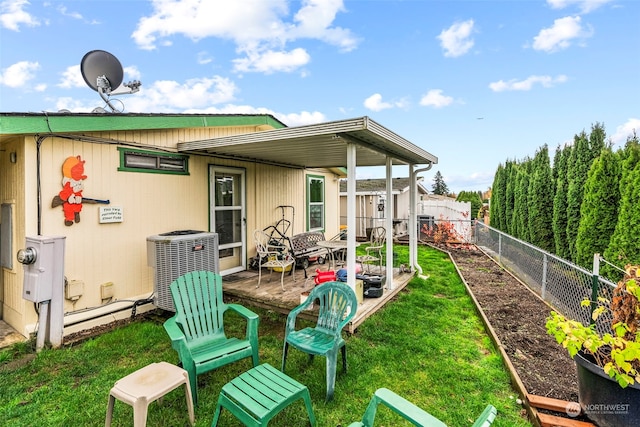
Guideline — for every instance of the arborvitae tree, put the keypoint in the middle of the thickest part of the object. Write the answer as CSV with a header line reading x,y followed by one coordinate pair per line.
x,y
623,245
496,207
560,162
439,186
474,199
540,200
599,211
585,150
512,168
521,208
578,168
597,140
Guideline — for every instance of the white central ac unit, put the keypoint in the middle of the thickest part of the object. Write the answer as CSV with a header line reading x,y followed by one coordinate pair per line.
x,y
176,253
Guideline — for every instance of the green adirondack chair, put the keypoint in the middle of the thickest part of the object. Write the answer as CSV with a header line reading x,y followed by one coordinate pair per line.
x,y
197,328
337,304
413,413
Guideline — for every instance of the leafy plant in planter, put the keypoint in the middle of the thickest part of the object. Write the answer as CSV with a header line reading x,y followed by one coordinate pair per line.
x,y
618,353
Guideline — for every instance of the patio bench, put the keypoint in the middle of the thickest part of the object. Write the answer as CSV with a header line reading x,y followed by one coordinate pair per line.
x,y
305,246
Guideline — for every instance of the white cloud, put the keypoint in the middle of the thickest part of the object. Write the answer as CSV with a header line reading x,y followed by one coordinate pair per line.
x,y
72,77
12,15
314,21
375,103
435,98
165,96
261,30
270,61
199,95
585,6
456,40
300,119
204,58
19,74
131,72
626,130
527,84
64,11
168,95
560,36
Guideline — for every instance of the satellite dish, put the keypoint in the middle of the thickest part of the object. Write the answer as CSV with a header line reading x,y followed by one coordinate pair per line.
x,y
103,73
97,66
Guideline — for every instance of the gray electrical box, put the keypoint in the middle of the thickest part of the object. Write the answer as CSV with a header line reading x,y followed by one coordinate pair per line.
x,y
43,262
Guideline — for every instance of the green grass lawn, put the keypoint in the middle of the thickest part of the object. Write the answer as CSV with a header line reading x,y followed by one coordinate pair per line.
x,y
428,345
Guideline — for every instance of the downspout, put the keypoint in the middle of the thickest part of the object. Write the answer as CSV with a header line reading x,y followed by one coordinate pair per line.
x,y
413,224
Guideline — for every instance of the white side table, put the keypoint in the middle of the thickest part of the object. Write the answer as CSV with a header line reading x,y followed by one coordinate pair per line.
x,y
146,385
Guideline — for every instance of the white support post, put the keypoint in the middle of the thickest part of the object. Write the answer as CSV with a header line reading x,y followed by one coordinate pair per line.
x,y
413,226
351,215
389,225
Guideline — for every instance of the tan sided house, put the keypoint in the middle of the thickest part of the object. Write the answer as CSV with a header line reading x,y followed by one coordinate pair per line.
x,y
104,184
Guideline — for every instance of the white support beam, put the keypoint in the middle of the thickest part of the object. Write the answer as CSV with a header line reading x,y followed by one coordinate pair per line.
x,y
413,223
351,215
389,224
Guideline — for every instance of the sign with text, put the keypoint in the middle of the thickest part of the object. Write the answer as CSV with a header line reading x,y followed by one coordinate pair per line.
x,y
110,214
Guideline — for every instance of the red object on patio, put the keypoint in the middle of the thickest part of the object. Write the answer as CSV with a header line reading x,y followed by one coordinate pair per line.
x,y
324,276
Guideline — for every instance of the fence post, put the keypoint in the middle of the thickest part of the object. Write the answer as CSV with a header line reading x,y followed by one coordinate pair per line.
x,y
500,248
545,262
595,281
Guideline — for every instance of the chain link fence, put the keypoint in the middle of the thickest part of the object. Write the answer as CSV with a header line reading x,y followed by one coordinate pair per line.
x,y
561,284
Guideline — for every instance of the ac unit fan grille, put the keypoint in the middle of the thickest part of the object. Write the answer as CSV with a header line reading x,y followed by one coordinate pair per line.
x,y
180,255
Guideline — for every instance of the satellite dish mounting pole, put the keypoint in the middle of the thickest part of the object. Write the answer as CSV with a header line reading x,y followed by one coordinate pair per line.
x,y
103,85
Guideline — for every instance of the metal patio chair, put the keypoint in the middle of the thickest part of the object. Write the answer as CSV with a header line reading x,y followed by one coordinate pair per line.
x,y
373,252
272,255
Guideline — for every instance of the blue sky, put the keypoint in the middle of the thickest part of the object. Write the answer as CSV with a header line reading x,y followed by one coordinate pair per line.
x,y
473,82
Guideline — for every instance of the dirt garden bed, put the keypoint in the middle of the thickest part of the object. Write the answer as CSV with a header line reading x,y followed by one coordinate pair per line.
x,y
518,318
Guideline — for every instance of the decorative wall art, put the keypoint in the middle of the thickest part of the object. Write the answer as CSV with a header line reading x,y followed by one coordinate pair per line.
x,y
70,197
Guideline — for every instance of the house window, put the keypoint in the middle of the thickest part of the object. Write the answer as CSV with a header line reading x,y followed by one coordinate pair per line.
x,y
133,160
315,203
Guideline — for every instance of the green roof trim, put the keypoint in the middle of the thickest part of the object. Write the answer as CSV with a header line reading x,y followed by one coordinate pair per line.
x,y
38,123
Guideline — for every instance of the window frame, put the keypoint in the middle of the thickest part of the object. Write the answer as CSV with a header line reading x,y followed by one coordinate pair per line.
x,y
158,156
310,204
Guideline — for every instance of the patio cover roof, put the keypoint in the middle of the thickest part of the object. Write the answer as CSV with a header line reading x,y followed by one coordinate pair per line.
x,y
318,145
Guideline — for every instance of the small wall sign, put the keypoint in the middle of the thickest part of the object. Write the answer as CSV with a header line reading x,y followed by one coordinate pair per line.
x,y
110,214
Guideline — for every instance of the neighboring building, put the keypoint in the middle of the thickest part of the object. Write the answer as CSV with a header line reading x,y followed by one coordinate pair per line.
x,y
155,173
371,200
433,208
